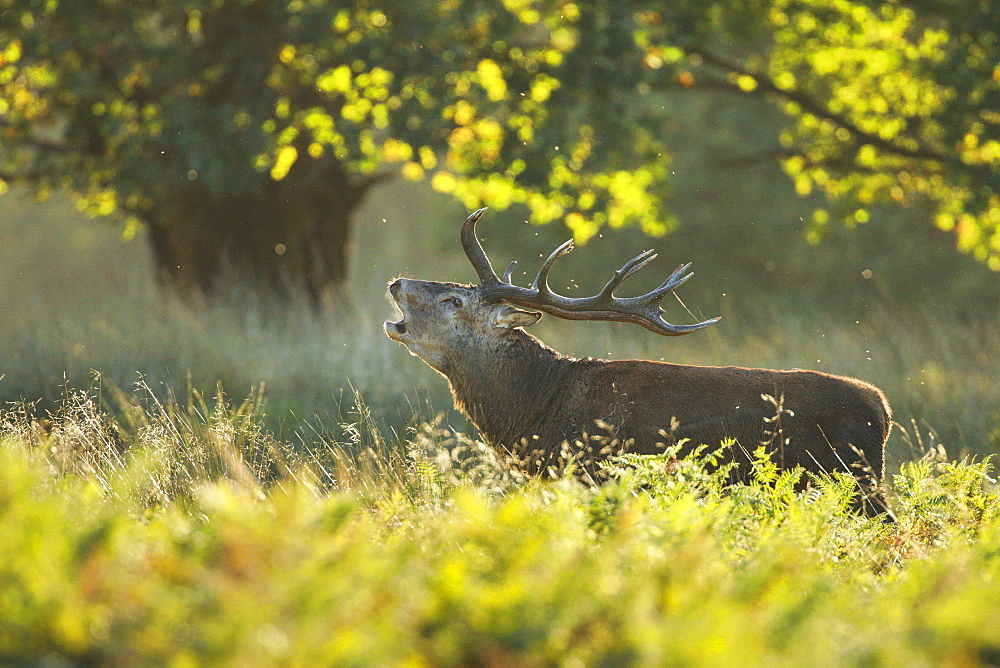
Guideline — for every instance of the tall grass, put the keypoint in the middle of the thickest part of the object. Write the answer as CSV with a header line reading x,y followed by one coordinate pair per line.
x,y
159,451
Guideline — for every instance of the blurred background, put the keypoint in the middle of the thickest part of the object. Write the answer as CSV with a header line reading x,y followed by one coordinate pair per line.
x,y
865,252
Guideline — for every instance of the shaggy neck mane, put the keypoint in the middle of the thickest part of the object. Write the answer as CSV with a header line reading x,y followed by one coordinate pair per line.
x,y
507,387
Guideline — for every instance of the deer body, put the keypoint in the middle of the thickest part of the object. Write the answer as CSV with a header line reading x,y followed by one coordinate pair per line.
x,y
539,406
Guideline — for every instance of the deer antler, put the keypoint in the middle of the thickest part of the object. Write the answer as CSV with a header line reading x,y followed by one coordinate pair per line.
x,y
643,310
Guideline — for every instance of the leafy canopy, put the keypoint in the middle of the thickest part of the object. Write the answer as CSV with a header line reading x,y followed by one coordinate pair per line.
x,y
554,104
896,102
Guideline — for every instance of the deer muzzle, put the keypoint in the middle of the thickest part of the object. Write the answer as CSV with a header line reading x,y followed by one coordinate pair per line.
x,y
395,330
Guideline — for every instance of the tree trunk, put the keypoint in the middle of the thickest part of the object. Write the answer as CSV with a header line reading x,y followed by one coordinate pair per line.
x,y
276,236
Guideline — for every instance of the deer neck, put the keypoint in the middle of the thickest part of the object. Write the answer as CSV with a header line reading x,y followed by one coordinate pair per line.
x,y
506,388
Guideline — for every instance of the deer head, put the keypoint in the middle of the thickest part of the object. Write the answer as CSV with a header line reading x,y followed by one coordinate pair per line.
x,y
441,320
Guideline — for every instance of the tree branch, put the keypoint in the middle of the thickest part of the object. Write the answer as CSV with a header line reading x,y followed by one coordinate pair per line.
x,y
767,86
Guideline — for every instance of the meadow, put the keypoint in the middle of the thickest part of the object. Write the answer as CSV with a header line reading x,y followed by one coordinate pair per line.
x,y
242,481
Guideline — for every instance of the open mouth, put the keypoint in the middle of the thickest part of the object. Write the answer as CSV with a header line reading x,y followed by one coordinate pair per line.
x,y
396,329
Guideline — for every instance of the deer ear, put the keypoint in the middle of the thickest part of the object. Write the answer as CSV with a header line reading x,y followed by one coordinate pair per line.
x,y
508,317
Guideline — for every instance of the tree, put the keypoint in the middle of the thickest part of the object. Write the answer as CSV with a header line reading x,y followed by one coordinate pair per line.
x,y
244,133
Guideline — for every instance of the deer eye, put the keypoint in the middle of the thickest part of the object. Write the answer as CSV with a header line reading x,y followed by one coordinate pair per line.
x,y
454,301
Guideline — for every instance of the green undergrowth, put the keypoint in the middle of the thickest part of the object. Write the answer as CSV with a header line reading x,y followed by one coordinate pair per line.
x,y
140,532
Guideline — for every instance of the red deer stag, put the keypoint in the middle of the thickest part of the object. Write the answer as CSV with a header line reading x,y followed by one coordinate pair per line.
x,y
533,403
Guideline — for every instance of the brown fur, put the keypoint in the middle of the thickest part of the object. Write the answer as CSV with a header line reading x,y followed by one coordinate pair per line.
x,y
533,402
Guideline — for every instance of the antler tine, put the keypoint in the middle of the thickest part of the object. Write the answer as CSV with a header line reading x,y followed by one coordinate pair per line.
x,y
637,263
630,267
661,326
508,271
675,280
474,249
541,282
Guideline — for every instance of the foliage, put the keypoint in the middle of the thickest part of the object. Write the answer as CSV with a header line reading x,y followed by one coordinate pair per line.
x,y
668,564
554,104
907,97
